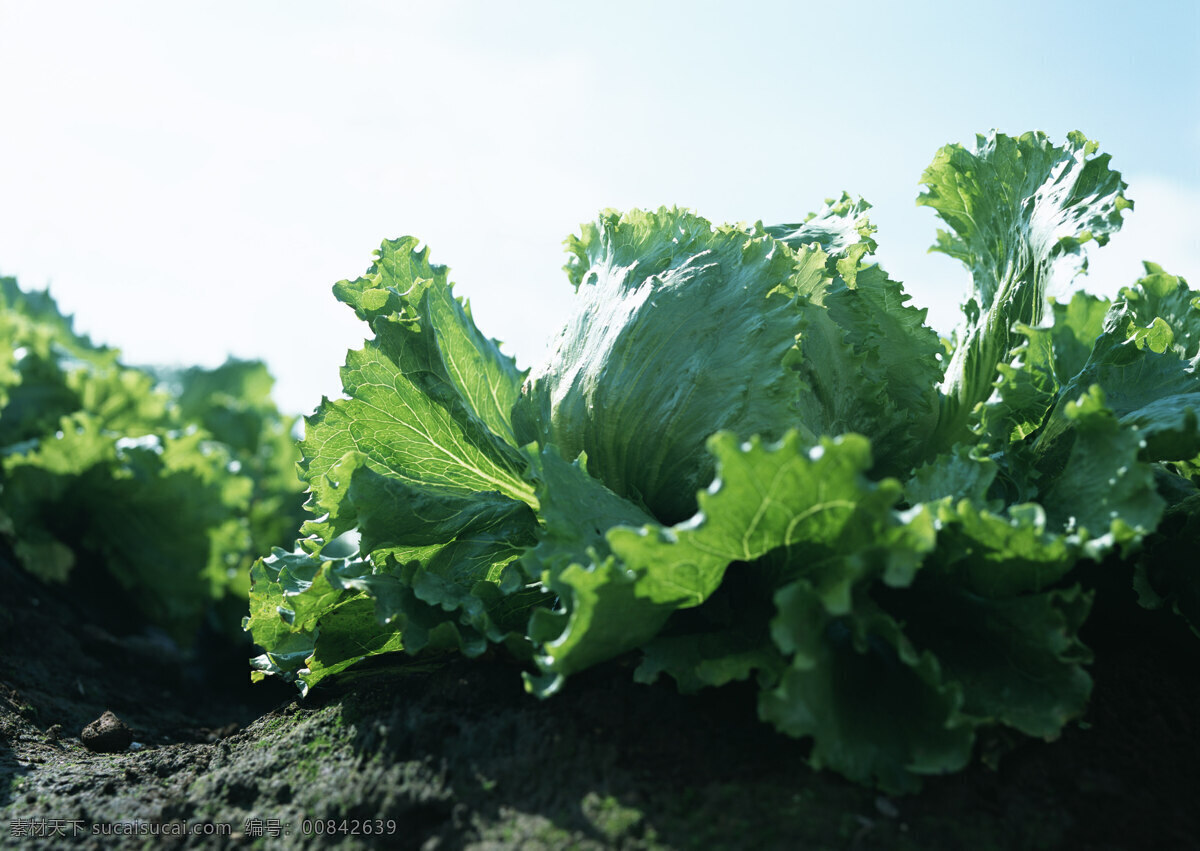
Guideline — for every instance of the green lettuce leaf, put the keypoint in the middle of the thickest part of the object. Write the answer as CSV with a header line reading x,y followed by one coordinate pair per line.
x,y
419,463
878,710
409,410
1016,207
1165,574
868,363
838,226
1017,658
667,294
993,548
811,507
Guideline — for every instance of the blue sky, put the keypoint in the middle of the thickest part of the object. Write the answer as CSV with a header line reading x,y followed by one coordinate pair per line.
x,y
191,178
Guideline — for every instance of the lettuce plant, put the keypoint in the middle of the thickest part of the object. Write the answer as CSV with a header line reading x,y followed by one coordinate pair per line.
x,y
746,456
147,492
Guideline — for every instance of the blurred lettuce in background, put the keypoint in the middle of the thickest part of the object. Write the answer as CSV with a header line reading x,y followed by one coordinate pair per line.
x,y
148,490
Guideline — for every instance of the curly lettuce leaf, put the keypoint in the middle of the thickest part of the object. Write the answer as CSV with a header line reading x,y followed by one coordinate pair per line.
x,y
418,462
1165,573
423,397
1082,412
298,598
1105,496
993,548
1016,657
679,332
1016,207
810,506
868,362
317,616
878,709
1166,297
715,656
838,226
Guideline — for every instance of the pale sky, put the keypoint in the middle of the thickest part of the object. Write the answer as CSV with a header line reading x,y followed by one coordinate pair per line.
x,y
190,179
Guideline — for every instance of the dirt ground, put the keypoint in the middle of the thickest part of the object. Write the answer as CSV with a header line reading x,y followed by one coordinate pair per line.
x,y
448,754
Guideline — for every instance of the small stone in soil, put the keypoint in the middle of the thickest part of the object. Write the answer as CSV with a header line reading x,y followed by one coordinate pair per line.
x,y
107,734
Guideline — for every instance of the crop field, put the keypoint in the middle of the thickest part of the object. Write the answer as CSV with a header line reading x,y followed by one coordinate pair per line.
x,y
753,559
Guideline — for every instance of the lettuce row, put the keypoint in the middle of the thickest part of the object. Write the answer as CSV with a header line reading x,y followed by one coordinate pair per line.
x,y
149,491
746,456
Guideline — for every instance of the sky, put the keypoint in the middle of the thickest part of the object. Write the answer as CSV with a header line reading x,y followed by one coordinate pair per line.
x,y
190,179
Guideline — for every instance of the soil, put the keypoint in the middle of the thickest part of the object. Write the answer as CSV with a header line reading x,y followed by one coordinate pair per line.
x,y
448,754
